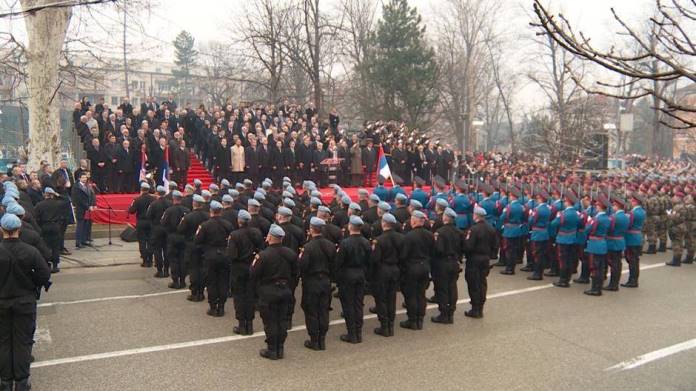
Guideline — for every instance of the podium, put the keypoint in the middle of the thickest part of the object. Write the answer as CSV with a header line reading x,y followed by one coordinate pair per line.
x,y
333,165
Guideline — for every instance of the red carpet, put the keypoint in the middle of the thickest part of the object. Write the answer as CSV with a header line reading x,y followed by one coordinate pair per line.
x,y
198,170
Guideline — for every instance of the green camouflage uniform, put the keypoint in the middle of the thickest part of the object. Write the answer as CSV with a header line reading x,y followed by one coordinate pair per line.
x,y
663,220
678,227
652,208
690,239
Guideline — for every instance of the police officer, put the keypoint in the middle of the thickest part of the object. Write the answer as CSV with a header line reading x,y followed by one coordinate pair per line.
x,y
352,260
158,235
449,246
192,256
419,245
387,251
24,272
50,215
143,226
480,246
174,254
27,234
293,239
243,244
211,237
634,239
257,220
270,275
316,262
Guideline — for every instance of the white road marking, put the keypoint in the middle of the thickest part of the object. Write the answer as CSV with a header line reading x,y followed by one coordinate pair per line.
x,y
42,335
211,341
100,299
653,356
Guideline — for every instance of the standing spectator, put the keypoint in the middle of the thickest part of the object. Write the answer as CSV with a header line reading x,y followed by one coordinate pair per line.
x,y
179,162
97,159
84,201
356,165
124,168
238,160
222,161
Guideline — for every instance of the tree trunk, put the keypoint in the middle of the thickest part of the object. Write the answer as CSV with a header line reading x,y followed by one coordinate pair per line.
x,y
46,30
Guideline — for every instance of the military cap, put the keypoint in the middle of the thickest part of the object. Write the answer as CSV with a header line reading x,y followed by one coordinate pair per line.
x,y
266,185
173,185
441,202
198,198
570,196
243,215
418,214
233,192
451,213
374,197
618,200
259,196
238,185
9,184
636,196
355,206
288,202
315,193
247,182
276,231
287,194
439,181
260,190
7,200
49,190
206,194
604,201
316,222
543,194
15,209
197,182
416,204
188,186
213,187
315,201
363,192
177,194
268,180
253,202
479,211
225,183
227,199
10,222
291,190
283,211
355,220
419,181
214,205
389,218
384,206
460,184
286,179
161,189
324,209
397,180
400,197
345,200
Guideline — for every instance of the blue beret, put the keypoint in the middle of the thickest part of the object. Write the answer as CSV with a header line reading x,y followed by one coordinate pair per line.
x,y
287,194
268,180
479,211
15,209
173,185
9,184
177,194
234,193
7,200
161,189
213,187
286,179
259,196
374,197
315,193
442,202
363,192
416,204
253,202
291,190
227,198
316,222
324,209
248,182
198,198
276,231
214,205
401,197
205,194
418,214
355,220
188,187
345,200
260,190
197,182
384,206
315,201
283,211
450,212
243,215
225,183
355,206
288,202
10,222
389,218
49,190
238,185
14,193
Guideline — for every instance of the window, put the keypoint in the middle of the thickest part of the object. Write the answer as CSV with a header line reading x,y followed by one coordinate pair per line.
x,y
134,85
114,100
142,85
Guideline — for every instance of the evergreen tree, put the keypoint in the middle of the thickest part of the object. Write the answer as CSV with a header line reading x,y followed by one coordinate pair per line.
x,y
401,66
185,59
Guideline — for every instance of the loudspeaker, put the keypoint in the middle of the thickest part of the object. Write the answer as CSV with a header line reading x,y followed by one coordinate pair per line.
x,y
596,152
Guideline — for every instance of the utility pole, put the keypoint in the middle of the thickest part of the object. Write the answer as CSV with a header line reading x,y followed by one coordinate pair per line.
x,y
125,59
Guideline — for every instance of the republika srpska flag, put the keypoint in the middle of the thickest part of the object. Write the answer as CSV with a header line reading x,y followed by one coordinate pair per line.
x,y
383,167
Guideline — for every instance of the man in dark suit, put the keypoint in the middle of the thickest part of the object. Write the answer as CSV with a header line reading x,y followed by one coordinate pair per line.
x,y
179,162
63,177
124,168
251,160
97,159
84,201
369,159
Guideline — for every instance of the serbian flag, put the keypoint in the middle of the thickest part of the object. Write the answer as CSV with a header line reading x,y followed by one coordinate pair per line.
x,y
143,163
383,167
165,169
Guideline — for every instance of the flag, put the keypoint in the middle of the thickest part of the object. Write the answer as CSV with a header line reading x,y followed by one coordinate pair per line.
x,y
143,162
165,169
383,167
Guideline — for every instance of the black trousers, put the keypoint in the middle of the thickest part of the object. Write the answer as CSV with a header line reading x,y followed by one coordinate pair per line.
x,y
194,265
476,274
158,243
633,260
386,283
51,234
445,283
614,263
414,284
218,277
143,229
352,295
567,258
242,293
316,300
540,255
512,248
596,263
17,325
273,308
175,256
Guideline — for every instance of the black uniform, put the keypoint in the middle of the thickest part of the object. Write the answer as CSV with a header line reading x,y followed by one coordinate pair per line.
x,y
158,235
332,233
143,227
211,237
31,237
260,222
50,216
315,266
419,245
402,214
270,275
480,246
242,245
23,272
192,253
387,250
449,246
293,239
352,261
174,256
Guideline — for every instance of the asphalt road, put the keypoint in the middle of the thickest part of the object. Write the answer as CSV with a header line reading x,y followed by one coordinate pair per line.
x,y
96,331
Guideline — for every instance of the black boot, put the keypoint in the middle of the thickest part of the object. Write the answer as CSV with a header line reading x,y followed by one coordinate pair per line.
x,y
270,352
213,310
358,334
419,323
632,276
281,351
220,310
383,329
391,328
651,249
689,259
159,274
249,327
349,337
613,284
508,272
22,385
663,247
564,277
409,324
535,277
165,273
596,288
54,269
6,385
174,284
474,312
241,328
676,261
182,282
322,342
443,318
527,268
312,343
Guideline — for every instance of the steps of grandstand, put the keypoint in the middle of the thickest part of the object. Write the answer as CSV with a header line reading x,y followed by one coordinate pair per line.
x,y
198,170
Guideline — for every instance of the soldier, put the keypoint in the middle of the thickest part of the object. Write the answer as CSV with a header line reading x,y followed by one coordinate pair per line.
x,y
370,215
634,239
418,248
616,243
270,275
652,207
229,213
401,211
211,237
538,222
462,205
316,263
512,226
50,215
352,260
663,219
27,234
386,255
480,246
678,220
143,227
158,235
175,241
293,239
376,228
449,246
192,256
257,221
690,239
332,232
566,224
596,249
24,272
243,244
